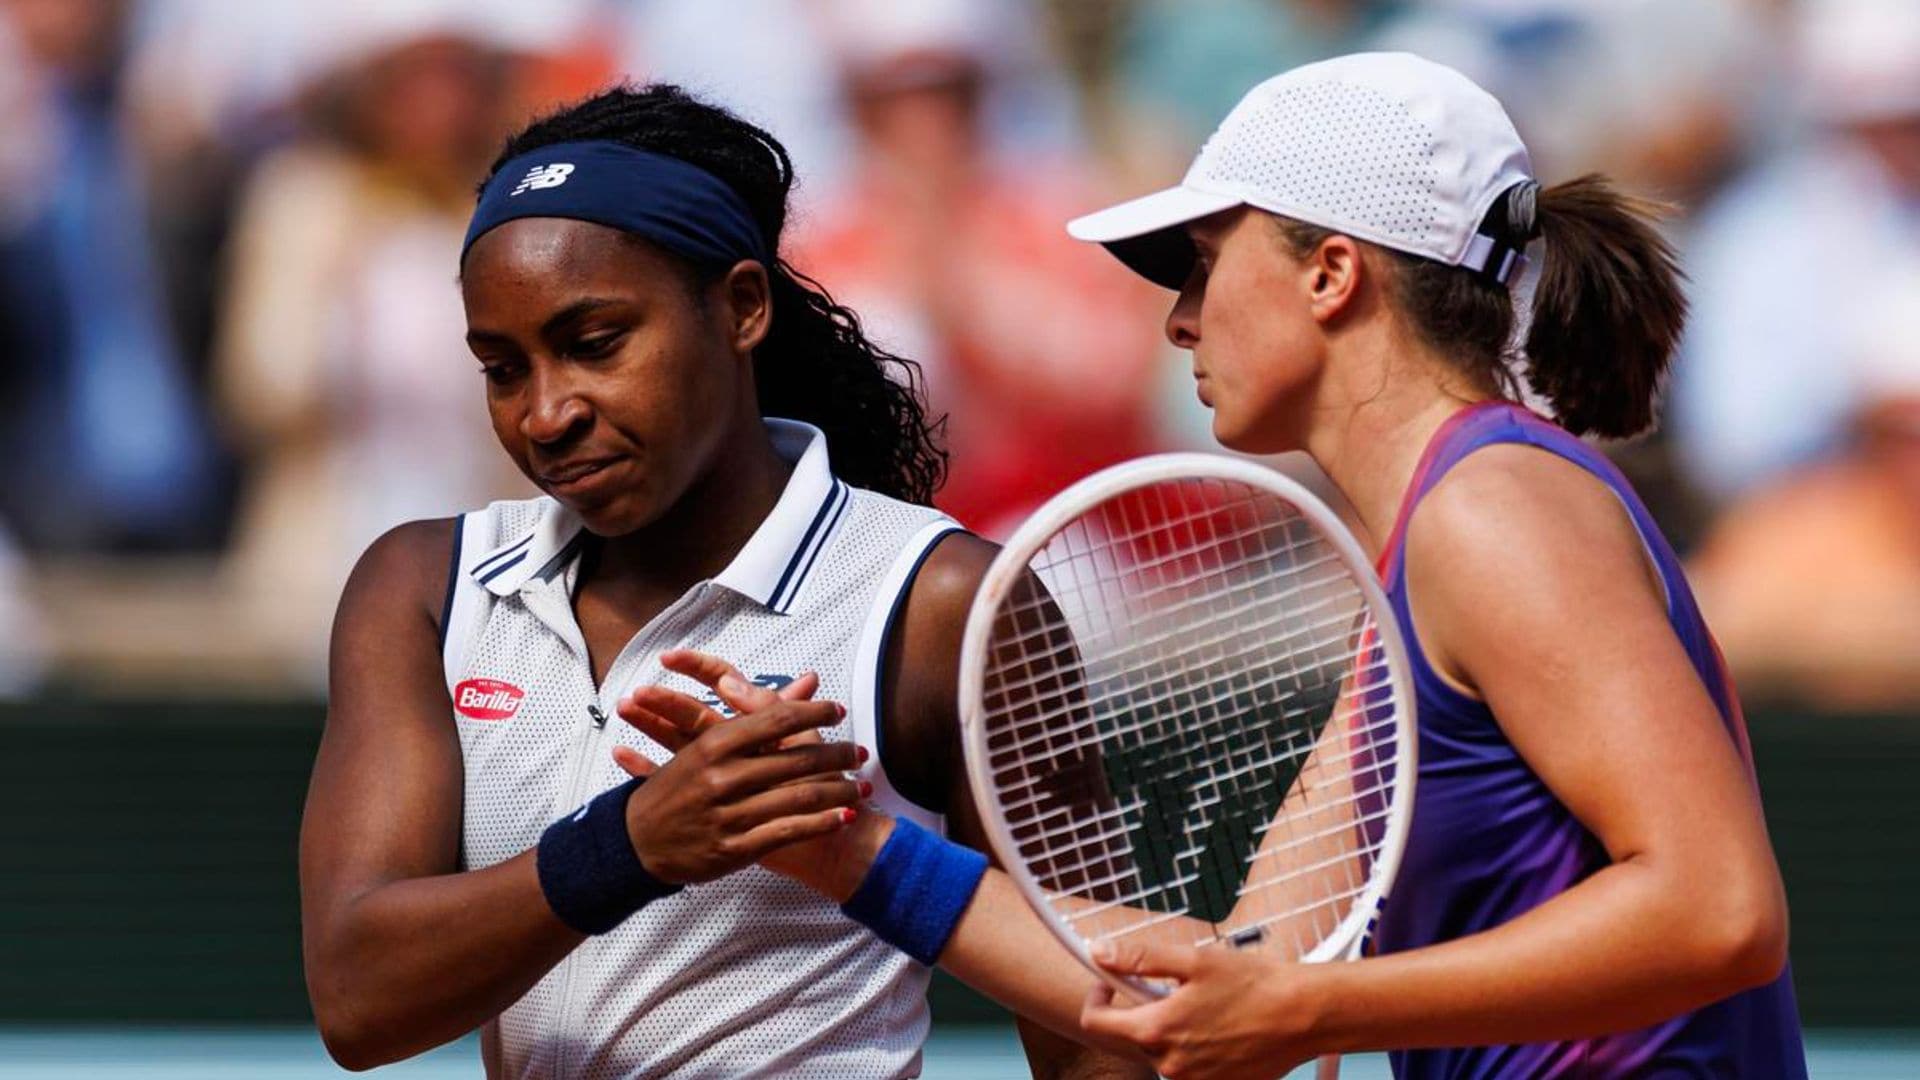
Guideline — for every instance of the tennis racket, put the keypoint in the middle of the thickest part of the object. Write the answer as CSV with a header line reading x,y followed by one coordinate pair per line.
x,y
1188,716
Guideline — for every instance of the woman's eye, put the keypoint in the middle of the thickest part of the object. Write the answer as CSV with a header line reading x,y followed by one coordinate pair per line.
x,y
598,346
499,374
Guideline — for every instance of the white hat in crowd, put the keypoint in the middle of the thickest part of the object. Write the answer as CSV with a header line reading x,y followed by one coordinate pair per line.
x,y
1860,59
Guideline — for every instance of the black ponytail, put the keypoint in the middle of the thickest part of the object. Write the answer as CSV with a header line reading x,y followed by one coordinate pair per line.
x,y
1607,311
816,363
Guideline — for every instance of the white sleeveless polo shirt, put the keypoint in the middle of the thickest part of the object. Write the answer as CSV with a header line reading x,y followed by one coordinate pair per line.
x,y
749,975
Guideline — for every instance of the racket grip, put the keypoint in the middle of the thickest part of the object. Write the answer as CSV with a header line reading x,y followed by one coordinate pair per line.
x,y
1328,1068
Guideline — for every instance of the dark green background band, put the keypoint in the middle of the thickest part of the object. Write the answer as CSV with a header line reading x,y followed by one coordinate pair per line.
x,y
147,862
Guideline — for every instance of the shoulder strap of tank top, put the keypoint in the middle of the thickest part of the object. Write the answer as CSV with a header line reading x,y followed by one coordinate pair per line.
x,y
869,668
467,600
1462,433
1494,422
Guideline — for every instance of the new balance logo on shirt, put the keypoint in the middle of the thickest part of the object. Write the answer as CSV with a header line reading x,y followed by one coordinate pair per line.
x,y
771,682
543,176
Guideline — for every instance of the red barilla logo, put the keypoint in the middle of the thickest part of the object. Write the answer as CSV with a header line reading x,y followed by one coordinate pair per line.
x,y
487,699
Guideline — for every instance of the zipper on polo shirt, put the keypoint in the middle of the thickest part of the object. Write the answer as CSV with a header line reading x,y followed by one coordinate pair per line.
x,y
582,771
589,746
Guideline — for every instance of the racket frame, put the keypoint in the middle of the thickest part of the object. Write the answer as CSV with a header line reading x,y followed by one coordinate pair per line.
x,y
1012,564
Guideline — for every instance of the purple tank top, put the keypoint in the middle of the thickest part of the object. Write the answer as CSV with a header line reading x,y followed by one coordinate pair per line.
x,y
1489,841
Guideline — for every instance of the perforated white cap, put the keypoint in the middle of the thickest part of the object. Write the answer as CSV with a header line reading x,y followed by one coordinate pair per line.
x,y
1389,148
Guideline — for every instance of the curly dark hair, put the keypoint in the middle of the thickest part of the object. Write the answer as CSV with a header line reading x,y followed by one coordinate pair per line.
x,y
816,363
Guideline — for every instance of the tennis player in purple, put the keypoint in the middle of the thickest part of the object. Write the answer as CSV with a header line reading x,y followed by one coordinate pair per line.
x,y
1588,890
1491,841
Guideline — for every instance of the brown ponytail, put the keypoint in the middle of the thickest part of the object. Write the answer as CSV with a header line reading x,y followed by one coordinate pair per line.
x,y
1607,309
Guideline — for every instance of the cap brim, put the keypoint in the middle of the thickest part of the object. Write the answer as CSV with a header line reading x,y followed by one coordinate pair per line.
x,y
1146,233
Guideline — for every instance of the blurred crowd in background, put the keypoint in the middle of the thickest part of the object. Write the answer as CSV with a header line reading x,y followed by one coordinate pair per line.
x,y
231,337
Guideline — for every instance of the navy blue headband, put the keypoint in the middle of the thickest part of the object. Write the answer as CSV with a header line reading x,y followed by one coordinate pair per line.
x,y
681,207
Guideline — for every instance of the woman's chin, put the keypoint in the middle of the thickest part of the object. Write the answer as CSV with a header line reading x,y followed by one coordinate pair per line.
x,y
1251,438
610,518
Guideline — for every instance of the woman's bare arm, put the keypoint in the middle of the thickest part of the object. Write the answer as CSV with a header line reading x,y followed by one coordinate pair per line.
x,y
402,952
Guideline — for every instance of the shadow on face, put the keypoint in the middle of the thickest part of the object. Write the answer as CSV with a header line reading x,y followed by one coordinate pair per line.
x,y
1247,317
613,376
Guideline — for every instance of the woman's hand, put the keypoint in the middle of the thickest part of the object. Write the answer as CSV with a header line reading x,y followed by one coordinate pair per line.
x,y
733,794
1233,1014
831,861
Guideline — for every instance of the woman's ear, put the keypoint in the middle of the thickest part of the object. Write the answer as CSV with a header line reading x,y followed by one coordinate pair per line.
x,y
1334,271
748,295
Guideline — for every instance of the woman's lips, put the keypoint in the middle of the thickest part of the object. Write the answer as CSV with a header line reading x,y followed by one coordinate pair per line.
x,y
576,477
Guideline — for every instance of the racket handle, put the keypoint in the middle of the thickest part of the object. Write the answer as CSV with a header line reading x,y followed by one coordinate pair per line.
x,y
1328,1069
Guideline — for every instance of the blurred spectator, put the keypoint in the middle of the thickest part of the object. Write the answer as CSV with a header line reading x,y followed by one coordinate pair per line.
x,y
102,444
1782,261
1186,62
778,63
1040,355
342,364
1813,583
769,60
215,84
1661,95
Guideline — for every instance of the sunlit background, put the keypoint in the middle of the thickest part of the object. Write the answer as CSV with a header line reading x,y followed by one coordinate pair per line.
x,y
231,354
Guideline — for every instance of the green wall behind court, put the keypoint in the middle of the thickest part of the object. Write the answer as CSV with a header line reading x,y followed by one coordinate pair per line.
x,y
149,862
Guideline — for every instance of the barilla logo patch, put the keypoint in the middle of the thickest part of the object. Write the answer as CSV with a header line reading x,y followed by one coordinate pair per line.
x,y
487,699
543,176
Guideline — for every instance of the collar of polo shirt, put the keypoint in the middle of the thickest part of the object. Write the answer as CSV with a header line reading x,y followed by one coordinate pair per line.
x,y
769,570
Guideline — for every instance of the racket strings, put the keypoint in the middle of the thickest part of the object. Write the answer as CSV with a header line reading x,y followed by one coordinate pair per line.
x,y
1283,851
1045,720
1376,728
1036,832
1053,845
1090,572
1148,654
1241,634
1182,720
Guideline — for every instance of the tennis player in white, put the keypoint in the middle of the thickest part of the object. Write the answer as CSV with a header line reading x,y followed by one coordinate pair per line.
x,y
473,855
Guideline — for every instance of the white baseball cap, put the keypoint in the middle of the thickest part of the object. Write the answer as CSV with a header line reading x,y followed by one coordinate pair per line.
x,y
1389,148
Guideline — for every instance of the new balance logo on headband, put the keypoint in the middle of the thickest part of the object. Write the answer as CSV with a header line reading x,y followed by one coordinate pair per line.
x,y
543,176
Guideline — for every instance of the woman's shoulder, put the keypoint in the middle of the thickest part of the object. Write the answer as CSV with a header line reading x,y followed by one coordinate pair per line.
x,y
1519,555
404,571
1513,522
952,573
506,520
416,560
1510,503
409,550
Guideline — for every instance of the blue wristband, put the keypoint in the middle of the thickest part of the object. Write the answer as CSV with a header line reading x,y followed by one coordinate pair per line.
x,y
592,877
916,891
